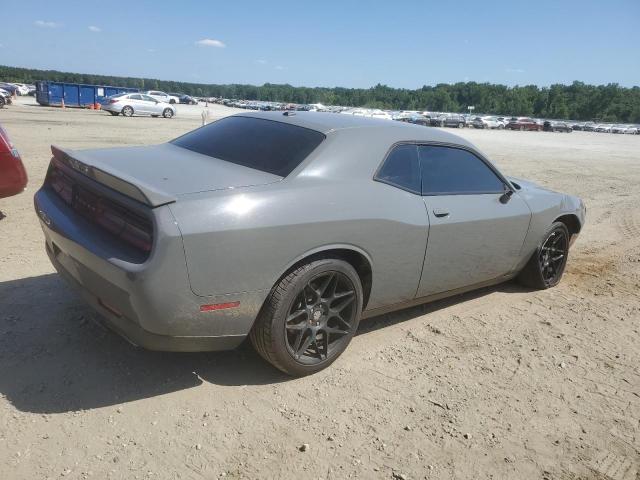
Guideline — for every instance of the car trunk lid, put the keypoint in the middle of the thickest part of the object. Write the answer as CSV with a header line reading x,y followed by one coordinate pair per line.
x,y
157,175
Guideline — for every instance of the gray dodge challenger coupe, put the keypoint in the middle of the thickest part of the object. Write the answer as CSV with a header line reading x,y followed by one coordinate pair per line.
x,y
289,228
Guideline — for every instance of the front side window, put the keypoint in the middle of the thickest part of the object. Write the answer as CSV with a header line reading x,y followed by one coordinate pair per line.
x,y
454,171
401,168
265,145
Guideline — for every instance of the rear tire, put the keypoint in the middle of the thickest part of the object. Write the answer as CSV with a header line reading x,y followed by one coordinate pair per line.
x,y
309,317
167,113
127,111
546,266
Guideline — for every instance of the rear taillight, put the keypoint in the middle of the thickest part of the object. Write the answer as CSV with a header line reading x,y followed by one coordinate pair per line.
x,y
132,228
113,101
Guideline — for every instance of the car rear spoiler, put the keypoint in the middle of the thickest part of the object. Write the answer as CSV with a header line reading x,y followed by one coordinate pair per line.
x,y
117,181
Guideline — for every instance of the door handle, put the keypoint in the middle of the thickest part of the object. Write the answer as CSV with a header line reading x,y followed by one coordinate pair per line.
x,y
440,213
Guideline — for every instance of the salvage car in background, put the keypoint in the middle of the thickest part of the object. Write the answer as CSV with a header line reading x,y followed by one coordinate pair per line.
x,y
162,97
130,104
556,126
457,121
226,231
13,176
487,122
523,123
5,98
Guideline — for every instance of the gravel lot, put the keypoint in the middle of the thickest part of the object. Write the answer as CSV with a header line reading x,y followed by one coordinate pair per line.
x,y
499,383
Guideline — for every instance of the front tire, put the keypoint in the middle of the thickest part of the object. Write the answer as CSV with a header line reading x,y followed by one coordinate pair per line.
x,y
309,317
546,266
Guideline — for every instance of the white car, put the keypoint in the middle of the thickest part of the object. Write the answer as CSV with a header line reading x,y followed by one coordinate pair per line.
x,y
130,104
22,88
162,97
487,122
603,128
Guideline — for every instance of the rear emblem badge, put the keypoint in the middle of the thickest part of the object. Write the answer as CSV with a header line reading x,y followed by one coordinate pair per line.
x,y
45,218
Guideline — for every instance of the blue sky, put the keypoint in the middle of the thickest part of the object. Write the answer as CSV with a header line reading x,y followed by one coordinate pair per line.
x,y
331,43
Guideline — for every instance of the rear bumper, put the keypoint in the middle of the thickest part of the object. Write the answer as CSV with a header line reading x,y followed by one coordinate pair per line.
x,y
151,303
137,335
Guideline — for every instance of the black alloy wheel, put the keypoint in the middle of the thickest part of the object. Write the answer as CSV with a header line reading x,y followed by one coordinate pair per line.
x,y
309,317
552,257
547,264
321,318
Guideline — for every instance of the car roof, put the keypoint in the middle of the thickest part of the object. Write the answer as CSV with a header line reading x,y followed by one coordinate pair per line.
x,y
325,122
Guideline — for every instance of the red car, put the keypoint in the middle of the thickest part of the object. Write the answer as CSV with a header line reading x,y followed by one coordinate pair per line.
x,y
523,124
13,177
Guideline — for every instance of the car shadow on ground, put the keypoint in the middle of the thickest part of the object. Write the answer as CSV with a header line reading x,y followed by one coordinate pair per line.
x,y
55,358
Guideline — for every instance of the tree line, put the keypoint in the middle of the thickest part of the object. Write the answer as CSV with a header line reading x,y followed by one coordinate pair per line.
x,y
578,101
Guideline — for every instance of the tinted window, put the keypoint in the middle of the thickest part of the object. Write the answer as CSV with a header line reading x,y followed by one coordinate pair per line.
x,y
265,145
135,97
452,171
401,168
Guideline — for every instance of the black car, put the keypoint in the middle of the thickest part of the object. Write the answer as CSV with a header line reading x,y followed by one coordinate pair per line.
x,y
550,126
424,121
456,121
187,100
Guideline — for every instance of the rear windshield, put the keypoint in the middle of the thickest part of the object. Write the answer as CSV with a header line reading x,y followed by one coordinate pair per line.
x,y
265,145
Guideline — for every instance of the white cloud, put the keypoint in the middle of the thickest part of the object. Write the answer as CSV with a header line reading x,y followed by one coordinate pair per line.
x,y
514,70
93,28
279,67
261,61
151,50
210,42
43,24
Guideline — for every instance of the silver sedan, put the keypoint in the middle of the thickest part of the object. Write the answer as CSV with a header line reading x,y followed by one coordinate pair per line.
x,y
130,104
291,227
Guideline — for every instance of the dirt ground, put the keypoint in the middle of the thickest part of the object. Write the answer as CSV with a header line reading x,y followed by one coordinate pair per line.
x,y
499,383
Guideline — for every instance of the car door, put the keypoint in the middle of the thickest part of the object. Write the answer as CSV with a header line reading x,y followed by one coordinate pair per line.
x,y
476,231
400,262
138,105
152,105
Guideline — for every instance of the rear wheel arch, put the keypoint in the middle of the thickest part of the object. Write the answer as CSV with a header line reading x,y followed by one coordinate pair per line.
x,y
357,258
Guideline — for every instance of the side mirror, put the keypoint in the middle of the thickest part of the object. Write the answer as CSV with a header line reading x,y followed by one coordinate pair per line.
x,y
506,196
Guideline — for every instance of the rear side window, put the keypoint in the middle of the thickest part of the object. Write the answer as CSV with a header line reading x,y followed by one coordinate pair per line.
x,y
265,145
401,168
453,171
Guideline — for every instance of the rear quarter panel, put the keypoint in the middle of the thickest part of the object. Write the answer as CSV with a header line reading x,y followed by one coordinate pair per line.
x,y
245,239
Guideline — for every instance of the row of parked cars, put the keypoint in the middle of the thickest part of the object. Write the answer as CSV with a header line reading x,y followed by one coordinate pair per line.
x,y
18,88
515,123
438,119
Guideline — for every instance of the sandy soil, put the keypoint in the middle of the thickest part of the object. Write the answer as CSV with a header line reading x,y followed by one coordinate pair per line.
x,y
499,383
